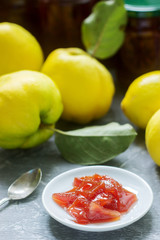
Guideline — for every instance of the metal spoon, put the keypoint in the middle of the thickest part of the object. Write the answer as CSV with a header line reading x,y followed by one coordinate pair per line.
x,y
24,185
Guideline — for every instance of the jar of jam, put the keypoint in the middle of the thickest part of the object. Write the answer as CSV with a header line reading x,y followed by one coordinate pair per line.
x,y
140,52
61,20
55,23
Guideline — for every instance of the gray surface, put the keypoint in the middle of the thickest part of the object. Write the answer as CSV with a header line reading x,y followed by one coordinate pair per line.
x,y
27,219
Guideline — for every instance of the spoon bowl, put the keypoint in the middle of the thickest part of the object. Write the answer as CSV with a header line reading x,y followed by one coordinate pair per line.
x,y
24,185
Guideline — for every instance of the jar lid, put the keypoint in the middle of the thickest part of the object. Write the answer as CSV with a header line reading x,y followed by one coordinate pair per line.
x,y
142,8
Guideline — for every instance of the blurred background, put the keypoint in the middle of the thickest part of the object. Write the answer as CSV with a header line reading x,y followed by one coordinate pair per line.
x,y
57,23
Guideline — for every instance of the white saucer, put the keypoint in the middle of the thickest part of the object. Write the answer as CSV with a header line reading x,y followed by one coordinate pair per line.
x,y
129,180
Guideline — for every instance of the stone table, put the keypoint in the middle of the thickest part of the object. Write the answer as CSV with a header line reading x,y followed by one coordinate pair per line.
x,y
28,220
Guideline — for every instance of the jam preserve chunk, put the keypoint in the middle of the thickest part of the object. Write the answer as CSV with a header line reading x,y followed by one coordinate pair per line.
x,y
95,199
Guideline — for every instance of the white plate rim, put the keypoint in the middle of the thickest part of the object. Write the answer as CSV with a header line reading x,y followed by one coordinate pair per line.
x,y
100,227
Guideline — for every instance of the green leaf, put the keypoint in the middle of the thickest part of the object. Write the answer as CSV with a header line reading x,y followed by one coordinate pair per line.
x,y
103,31
96,144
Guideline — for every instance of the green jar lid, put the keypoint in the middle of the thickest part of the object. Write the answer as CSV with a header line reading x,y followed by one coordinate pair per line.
x,y
142,8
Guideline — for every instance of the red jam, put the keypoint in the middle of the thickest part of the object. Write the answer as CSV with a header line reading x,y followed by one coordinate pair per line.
x,y
95,199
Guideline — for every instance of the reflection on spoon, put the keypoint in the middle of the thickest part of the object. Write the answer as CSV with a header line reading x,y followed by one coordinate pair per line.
x,y
24,185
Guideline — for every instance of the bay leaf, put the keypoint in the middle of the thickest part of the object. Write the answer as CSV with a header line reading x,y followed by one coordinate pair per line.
x,y
103,30
95,144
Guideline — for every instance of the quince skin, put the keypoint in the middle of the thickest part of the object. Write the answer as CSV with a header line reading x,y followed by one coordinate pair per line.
x,y
30,104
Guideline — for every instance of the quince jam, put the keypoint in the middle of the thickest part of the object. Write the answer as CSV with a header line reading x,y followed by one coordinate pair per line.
x,y
95,199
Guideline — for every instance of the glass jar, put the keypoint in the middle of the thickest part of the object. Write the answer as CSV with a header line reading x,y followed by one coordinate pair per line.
x,y
55,23
61,20
140,52
12,11
22,12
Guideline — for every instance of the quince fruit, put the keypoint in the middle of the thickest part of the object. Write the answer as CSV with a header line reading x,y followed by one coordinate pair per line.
x,y
142,99
19,49
30,105
86,86
152,137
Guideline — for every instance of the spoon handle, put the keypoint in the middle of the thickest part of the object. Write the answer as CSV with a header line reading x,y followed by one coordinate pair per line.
x,y
4,200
